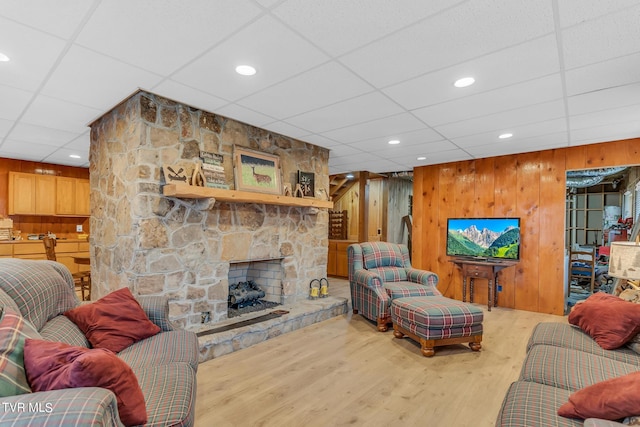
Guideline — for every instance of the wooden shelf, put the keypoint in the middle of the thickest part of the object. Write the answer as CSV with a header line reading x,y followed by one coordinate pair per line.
x,y
185,191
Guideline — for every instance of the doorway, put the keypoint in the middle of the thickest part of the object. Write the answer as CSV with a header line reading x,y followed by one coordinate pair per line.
x,y
600,208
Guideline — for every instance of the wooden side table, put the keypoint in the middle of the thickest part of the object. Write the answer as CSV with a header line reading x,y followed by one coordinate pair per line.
x,y
479,269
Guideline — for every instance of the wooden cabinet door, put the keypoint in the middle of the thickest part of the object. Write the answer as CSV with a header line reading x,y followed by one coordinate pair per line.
x,y
45,194
22,193
342,262
65,195
331,260
82,197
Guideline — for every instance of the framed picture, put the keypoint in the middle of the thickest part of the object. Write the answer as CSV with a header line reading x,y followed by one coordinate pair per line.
x,y
256,171
307,183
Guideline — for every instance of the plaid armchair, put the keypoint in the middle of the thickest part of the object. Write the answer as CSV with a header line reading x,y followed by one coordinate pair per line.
x,y
380,272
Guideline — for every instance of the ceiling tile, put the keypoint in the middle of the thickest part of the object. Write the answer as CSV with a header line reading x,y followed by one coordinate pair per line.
x,y
283,128
503,99
14,101
355,22
275,51
168,33
5,125
416,150
546,142
57,114
267,3
41,135
604,75
320,140
457,35
88,78
606,133
245,115
188,95
32,151
606,117
608,37
363,108
505,120
32,54
321,86
520,133
442,157
574,12
512,65
59,18
343,150
604,99
407,139
383,129
61,157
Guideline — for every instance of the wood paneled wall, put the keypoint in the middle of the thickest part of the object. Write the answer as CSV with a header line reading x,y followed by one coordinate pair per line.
x,y
530,186
61,226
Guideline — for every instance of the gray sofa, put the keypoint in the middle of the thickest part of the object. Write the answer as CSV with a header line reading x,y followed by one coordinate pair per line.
x,y
165,364
560,360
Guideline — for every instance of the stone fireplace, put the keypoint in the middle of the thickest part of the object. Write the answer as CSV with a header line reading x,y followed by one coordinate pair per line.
x,y
187,248
267,275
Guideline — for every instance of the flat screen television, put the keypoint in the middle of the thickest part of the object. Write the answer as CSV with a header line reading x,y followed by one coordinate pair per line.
x,y
484,238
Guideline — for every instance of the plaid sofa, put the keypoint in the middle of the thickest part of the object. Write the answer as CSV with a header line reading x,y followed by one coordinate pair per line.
x,y
560,360
164,364
380,272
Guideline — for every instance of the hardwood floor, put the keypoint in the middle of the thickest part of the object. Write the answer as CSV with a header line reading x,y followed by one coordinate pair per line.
x,y
343,372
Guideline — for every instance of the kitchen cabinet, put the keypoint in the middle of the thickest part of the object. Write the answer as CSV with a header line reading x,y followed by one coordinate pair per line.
x,y
82,197
65,195
34,194
31,194
337,263
34,249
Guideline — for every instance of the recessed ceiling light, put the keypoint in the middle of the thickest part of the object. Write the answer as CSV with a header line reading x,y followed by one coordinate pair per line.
x,y
74,156
505,135
349,176
245,70
394,142
422,158
4,58
464,82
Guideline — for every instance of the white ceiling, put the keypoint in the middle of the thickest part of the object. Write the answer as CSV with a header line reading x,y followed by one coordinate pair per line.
x,y
346,75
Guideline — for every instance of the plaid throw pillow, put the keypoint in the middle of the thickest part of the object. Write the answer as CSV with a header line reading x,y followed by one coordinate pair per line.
x,y
14,329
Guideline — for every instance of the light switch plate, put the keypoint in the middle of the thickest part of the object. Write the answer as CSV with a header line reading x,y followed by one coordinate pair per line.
x,y
79,228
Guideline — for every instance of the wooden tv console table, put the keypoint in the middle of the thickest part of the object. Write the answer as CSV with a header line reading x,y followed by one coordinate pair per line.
x,y
481,269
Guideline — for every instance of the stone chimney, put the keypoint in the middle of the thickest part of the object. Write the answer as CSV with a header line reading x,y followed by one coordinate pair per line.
x,y
182,248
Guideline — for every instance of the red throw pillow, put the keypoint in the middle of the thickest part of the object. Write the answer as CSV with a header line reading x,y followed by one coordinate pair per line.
x,y
115,321
53,365
609,320
610,400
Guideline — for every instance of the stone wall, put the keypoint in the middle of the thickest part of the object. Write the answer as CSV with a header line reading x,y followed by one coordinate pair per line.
x,y
181,248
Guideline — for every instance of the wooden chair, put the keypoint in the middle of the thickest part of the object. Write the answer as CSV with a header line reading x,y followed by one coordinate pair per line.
x,y
82,279
582,267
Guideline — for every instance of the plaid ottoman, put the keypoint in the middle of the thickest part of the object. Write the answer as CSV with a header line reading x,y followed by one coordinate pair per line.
x,y
436,320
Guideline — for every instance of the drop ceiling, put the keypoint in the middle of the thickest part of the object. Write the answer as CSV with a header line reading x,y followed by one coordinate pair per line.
x,y
345,75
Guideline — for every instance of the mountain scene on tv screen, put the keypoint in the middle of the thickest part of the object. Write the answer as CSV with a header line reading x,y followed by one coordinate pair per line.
x,y
484,243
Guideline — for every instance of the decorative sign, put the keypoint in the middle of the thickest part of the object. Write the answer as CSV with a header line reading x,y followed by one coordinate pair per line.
x,y
213,170
307,183
179,172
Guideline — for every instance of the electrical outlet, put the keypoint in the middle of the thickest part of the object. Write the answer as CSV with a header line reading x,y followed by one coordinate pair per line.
x,y
205,317
79,228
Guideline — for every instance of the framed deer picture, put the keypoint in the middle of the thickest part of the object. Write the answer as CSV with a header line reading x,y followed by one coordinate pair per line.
x,y
256,171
